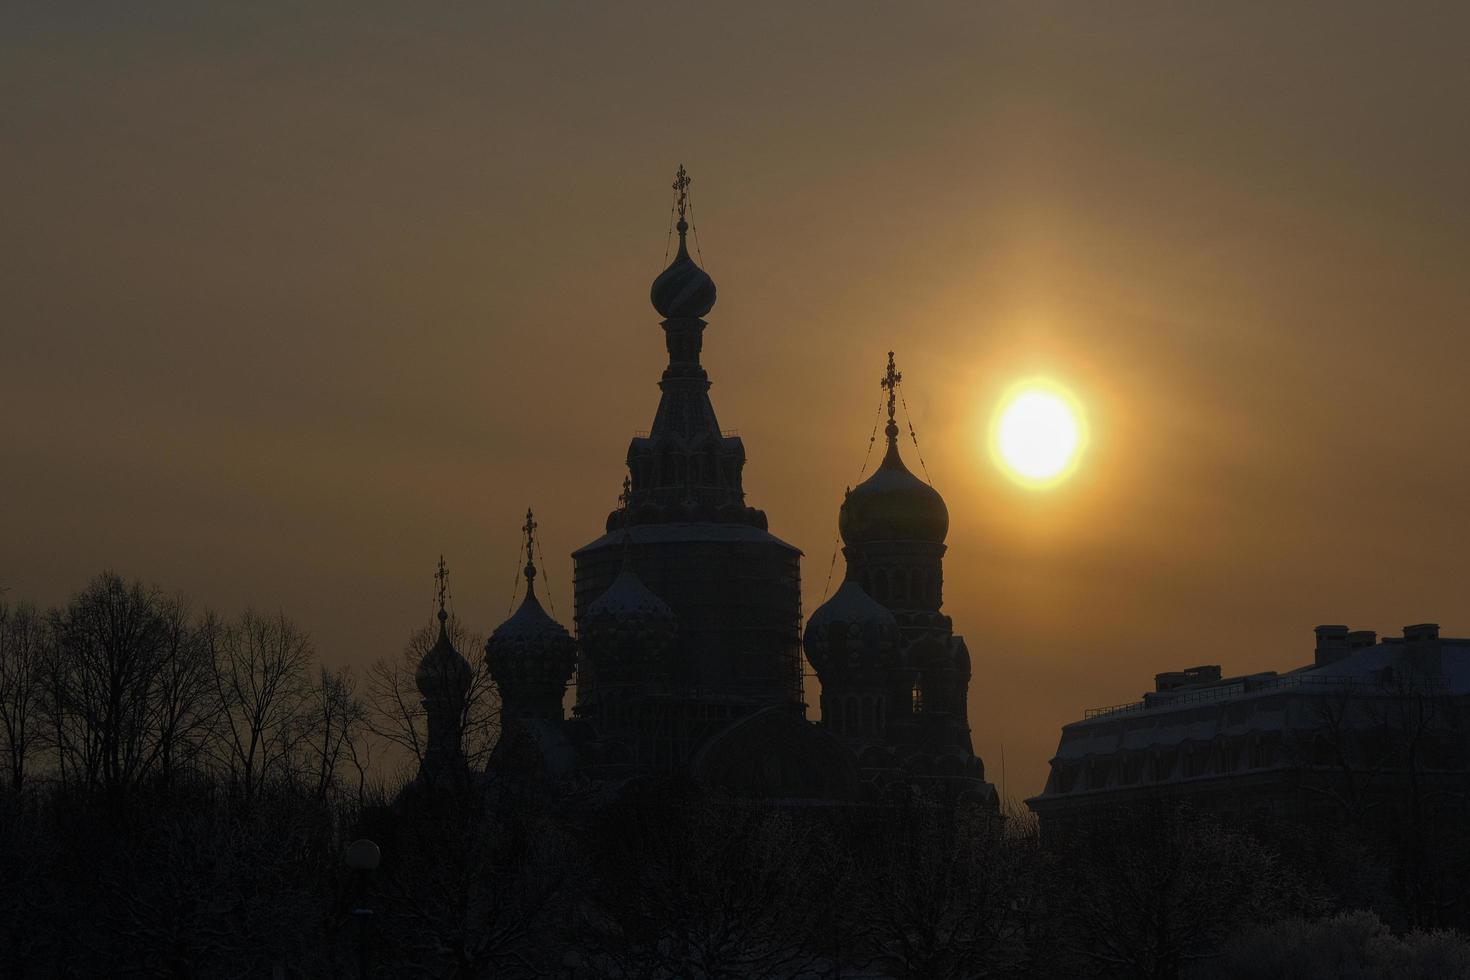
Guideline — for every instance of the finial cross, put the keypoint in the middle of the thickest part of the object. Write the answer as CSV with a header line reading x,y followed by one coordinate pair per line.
x,y
889,383
441,579
530,530
681,187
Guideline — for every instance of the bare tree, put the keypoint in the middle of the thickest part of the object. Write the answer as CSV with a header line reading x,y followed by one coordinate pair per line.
x,y
22,635
943,895
475,898
713,890
334,717
260,668
1144,891
110,644
181,705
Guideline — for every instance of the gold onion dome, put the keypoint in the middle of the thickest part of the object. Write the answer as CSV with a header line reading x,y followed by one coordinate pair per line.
x,y
683,290
892,504
851,630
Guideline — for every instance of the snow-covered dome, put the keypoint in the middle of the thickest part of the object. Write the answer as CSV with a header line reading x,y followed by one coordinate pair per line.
x,y
850,631
628,626
530,648
443,672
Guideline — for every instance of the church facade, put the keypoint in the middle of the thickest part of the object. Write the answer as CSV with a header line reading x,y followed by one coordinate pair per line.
x,y
688,653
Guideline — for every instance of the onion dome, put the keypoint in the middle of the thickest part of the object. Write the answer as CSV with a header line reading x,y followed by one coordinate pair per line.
x,y
850,631
443,672
893,504
628,626
683,290
531,653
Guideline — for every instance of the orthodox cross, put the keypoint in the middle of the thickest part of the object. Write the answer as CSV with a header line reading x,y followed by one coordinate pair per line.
x,y
889,383
530,531
441,579
681,187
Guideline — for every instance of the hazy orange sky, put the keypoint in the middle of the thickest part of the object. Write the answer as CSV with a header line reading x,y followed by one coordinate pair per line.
x,y
295,297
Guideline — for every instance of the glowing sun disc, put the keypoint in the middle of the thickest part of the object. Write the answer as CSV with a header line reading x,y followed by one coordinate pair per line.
x,y
1038,433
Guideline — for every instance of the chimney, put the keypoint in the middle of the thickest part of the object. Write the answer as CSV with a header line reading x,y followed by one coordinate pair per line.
x,y
1172,680
1421,650
1332,644
1358,639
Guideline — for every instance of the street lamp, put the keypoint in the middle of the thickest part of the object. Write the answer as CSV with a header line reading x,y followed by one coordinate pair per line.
x,y
362,857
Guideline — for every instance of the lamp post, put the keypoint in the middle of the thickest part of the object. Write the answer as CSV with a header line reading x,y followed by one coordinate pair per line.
x,y
362,857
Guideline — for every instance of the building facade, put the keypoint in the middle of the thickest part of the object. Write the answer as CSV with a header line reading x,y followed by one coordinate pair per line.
x,y
1368,727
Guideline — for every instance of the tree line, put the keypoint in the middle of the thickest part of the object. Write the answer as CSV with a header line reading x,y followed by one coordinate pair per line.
x,y
126,688
180,787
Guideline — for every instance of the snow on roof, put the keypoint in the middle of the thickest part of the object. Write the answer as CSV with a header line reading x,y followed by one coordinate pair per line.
x,y
1366,668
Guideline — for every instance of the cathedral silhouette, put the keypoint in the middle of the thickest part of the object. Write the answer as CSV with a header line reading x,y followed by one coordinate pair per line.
x,y
689,644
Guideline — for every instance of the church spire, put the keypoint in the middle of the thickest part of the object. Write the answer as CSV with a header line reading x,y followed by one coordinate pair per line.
x,y
685,469
443,678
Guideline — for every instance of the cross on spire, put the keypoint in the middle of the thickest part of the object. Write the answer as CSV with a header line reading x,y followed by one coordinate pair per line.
x,y
889,383
681,188
441,580
529,529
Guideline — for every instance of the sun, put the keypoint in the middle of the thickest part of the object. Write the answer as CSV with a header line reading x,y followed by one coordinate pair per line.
x,y
1038,433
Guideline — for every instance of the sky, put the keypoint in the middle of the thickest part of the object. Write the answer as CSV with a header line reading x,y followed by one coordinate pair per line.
x,y
295,297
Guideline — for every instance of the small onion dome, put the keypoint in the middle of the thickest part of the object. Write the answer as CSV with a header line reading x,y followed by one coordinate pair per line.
x,y
530,648
850,631
893,505
443,672
628,626
683,289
